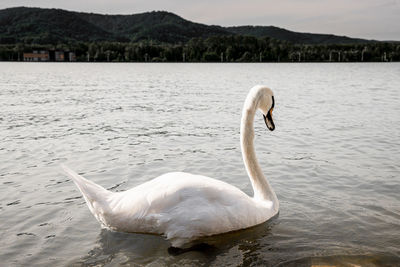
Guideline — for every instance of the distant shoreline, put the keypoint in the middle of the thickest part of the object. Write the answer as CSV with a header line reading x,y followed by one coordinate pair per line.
x,y
213,49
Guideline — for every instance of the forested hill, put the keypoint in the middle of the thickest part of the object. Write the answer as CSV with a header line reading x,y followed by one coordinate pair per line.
x,y
52,26
43,26
294,37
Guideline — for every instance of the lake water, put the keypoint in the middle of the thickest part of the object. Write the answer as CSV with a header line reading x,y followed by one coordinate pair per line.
x,y
333,160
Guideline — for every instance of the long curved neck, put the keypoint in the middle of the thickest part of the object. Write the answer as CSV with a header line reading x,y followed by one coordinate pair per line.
x,y
262,189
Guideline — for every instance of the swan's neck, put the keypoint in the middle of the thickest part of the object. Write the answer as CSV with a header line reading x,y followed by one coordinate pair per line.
x,y
261,187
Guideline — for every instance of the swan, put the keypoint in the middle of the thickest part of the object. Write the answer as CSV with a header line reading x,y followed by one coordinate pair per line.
x,y
184,207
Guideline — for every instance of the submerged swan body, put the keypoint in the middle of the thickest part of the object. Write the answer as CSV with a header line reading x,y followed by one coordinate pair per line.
x,y
184,207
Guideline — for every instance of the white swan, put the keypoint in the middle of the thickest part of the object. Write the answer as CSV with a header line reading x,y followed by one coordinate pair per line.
x,y
183,206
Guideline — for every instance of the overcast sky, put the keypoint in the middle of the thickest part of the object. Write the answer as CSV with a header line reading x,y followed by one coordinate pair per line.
x,y
372,19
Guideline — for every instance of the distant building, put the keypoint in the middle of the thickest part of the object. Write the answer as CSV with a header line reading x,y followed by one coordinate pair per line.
x,y
59,56
52,55
72,56
37,56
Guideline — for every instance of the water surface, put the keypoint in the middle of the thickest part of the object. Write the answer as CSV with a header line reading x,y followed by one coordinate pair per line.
x,y
333,159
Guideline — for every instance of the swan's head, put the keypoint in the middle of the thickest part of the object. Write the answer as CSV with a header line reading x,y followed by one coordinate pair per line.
x,y
266,105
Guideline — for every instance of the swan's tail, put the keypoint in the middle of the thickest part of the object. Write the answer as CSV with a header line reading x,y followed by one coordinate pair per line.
x,y
96,197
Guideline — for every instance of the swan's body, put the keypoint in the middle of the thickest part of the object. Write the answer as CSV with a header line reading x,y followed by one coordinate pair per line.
x,y
183,206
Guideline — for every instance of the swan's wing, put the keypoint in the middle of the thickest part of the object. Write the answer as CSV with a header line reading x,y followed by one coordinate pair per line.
x,y
183,206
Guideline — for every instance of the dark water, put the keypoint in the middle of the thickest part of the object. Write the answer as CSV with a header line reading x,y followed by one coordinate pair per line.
x,y
333,160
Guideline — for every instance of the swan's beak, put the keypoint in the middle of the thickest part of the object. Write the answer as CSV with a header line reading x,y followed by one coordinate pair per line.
x,y
268,120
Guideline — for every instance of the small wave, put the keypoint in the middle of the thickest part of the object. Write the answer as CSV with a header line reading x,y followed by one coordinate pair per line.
x,y
14,203
29,234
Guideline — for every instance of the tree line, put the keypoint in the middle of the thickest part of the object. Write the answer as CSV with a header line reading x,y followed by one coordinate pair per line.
x,y
213,49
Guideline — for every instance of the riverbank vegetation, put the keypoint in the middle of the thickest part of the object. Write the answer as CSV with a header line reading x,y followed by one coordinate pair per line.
x,y
235,48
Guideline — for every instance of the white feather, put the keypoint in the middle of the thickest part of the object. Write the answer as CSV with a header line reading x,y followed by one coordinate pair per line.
x,y
183,206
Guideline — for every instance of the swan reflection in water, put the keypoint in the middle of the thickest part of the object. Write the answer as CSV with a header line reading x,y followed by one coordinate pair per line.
x,y
132,248
261,245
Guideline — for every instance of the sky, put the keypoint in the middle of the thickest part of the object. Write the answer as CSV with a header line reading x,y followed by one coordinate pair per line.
x,y
370,19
